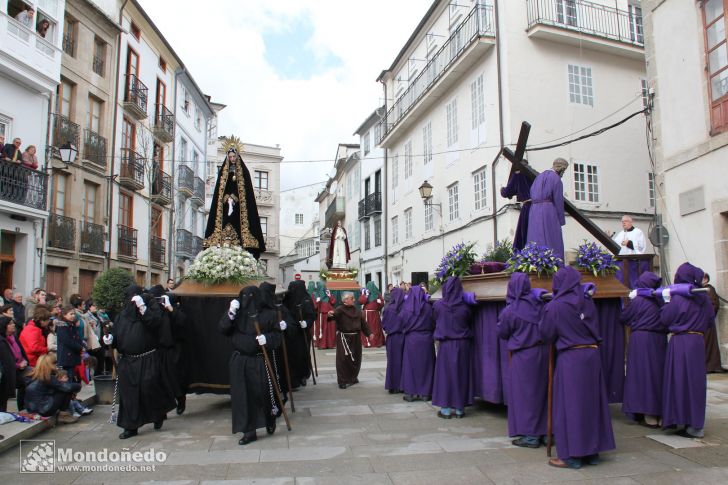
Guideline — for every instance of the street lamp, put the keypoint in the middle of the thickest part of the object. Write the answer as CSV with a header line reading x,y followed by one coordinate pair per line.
x,y
426,194
68,152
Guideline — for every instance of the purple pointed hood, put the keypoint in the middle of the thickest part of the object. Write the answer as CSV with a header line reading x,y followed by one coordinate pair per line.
x,y
687,273
397,298
452,292
523,302
415,301
648,279
567,287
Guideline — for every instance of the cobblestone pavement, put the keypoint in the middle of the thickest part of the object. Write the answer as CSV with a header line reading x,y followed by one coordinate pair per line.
x,y
365,435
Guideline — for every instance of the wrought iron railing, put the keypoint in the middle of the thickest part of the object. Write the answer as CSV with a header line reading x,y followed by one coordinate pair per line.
x,y
127,244
161,184
196,246
62,232
64,131
199,189
92,238
478,23
186,179
132,166
136,92
185,244
374,203
24,186
94,148
164,120
336,209
98,65
157,249
589,18
363,209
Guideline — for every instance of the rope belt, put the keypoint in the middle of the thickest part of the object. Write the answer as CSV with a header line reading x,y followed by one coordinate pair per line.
x,y
540,201
527,201
584,346
112,418
345,344
690,332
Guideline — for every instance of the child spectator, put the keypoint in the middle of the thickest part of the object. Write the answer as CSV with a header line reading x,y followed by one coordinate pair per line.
x,y
49,391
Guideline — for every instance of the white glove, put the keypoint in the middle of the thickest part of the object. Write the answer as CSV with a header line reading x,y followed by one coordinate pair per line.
x,y
318,300
363,291
108,339
138,301
303,323
633,294
666,295
234,307
167,304
283,325
366,292
261,340
379,300
328,293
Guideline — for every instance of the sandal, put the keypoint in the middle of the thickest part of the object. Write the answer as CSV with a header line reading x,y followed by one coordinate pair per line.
x,y
558,463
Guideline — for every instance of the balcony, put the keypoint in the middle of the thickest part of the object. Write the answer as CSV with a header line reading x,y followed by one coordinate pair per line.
x,y
335,211
466,46
21,185
197,246
164,124
370,205
62,233
263,197
186,245
127,244
94,148
131,173
590,25
92,238
186,181
63,131
198,194
135,97
161,187
157,250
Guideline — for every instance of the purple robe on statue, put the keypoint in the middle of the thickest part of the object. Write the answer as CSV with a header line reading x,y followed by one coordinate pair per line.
x,y
490,356
392,325
454,331
688,317
582,424
520,187
529,364
547,212
647,348
418,361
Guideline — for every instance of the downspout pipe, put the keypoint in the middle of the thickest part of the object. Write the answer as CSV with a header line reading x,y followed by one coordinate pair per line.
x,y
493,165
385,197
172,253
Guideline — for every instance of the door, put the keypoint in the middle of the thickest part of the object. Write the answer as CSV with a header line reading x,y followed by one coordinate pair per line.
x,y
132,67
86,283
55,280
367,186
378,181
7,259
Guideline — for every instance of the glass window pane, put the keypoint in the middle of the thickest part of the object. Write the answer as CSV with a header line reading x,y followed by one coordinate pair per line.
x,y
713,9
719,84
718,58
716,33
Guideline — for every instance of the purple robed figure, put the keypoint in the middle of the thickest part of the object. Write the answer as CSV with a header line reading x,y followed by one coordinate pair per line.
x,y
392,325
520,187
547,209
418,361
454,331
684,388
582,425
646,355
529,366
490,355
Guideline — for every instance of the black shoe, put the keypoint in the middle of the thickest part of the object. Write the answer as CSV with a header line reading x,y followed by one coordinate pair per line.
x,y
524,444
343,386
409,398
426,398
181,404
356,381
458,416
271,427
684,433
128,433
392,391
158,425
248,439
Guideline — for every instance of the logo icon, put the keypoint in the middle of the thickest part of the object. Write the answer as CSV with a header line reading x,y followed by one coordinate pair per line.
x,y
37,456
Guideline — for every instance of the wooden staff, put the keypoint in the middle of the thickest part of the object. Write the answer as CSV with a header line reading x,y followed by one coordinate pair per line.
x,y
271,374
285,363
309,347
550,399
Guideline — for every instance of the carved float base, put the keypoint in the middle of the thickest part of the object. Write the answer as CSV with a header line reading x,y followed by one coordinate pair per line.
x,y
193,288
341,279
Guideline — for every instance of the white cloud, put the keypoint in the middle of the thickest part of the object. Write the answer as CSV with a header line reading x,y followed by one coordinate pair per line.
x,y
221,43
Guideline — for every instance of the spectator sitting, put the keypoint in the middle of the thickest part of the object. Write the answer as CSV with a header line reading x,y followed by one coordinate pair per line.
x,y
12,152
7,366
43,27
49,391
7,330
33,338
26,17
30,160
19,311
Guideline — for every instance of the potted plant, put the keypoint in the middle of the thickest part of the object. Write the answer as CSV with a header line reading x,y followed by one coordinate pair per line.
x,y
534,259
595,260
456,262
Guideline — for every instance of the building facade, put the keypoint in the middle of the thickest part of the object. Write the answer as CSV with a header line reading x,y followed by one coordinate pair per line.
x,y
689,77
303,261
299,214
458,92
30,69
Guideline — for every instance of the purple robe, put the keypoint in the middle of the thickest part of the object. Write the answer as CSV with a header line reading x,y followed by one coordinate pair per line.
x,y
520,187
454,331
529,364
547,212
611,348
684,387
490,356
392,325
582,424
418,361
646,355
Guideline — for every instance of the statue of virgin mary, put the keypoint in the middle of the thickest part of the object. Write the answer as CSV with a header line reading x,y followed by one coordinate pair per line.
x,y
339,248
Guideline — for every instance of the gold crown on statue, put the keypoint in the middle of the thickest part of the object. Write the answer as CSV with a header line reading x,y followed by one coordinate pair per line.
x,y
233,142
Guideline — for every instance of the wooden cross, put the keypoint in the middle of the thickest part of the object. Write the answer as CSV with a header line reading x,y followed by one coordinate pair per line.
x,y
517,158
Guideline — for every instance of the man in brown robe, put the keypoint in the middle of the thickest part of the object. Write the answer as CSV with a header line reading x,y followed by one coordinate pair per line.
x,y
349,324
712,349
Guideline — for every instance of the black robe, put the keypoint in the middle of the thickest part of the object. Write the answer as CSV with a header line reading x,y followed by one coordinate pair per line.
x,y
251,391
242,227
298,306
268,296
171,339
142,397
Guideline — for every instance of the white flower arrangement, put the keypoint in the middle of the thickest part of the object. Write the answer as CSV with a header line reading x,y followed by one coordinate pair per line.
x,y
225,264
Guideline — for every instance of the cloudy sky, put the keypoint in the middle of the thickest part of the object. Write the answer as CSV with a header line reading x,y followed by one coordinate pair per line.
x,y
298,73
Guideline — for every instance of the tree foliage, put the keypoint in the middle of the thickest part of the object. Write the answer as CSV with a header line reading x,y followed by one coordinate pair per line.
x,y
108,292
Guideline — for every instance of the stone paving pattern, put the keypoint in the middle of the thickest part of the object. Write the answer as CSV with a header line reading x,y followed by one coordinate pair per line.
x,y
365,435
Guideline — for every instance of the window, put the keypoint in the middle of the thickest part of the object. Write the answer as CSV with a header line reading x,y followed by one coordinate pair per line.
x,y
264,265
395,171
367,244
377,221
70,30
94,114
580,85
716,49
408,160
479,189
395,230
260,180
452,122
453,204
429,218
128,135
566,12
299,219
264,226
377,133
645,90
135,31
635,24
98,63
477,98
357,236
586,182
195,158
65,98
162,64
126,209
89,202
408,224
193,222
59,194
198,119
186,101
365,143
155,225
651,188
183,150
427,142
5,127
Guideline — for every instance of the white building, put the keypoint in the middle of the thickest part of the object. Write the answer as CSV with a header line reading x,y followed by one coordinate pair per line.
x,y
30,68
458,92
304,260
299,213
369,209
688,74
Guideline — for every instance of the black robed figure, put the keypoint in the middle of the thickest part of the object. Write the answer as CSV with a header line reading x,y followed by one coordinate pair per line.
x,y
233,219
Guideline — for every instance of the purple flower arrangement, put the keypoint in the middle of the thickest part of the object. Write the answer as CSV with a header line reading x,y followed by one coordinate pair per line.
x,y
594,259
534,259
456,262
